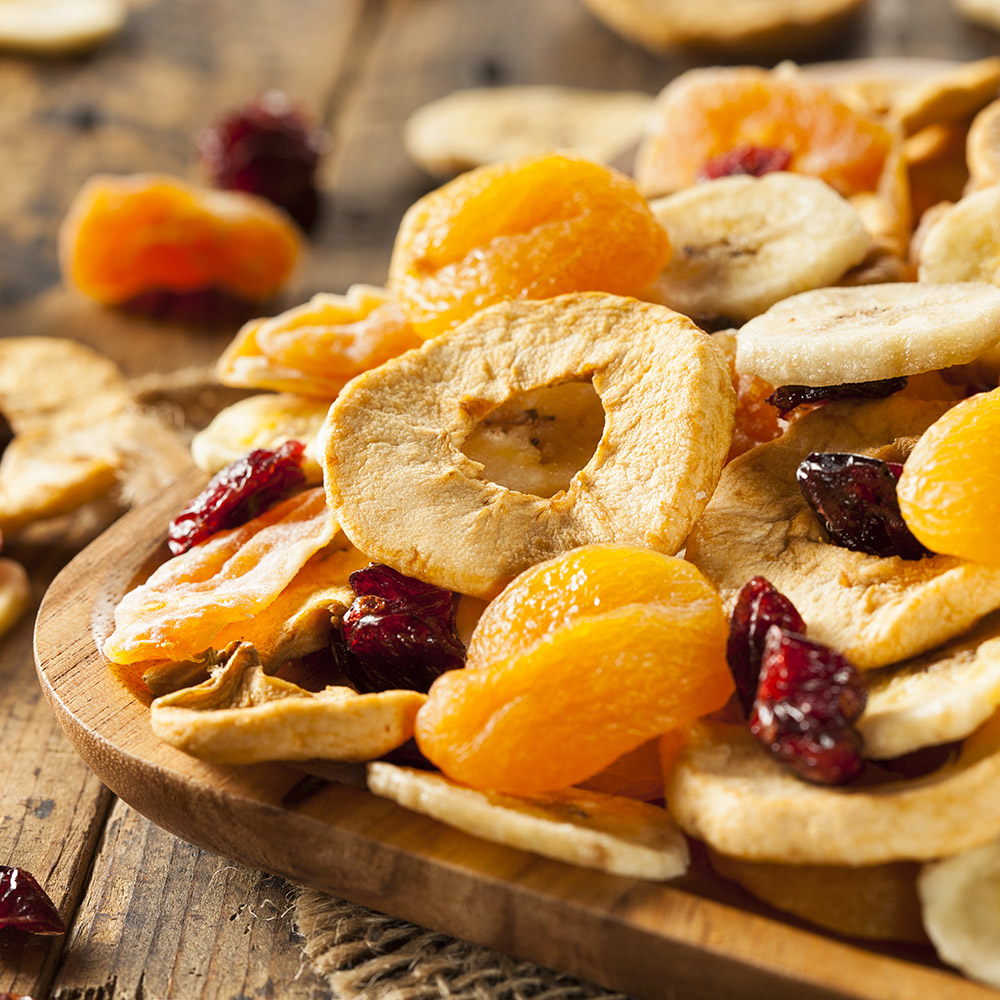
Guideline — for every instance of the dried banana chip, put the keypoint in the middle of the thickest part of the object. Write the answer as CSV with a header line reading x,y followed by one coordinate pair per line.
x,y
876,611
953,95
607,832
59,27
243,716
963,243
483,125
265,420
15,593
726,790
231,577
316,348
399,484
982,147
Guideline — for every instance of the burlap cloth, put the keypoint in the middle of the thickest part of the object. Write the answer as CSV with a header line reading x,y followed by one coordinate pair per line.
x,y
365,955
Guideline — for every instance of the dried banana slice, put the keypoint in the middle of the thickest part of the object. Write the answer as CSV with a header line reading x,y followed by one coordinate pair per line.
x,y
241,715
876,611
963,244
58,27
607,832
984,12
316,348
875,902
830,336
744,243
959,903
953,95
266,420
936,698
470,128
726,790
15,593
231,577
404,492
982,147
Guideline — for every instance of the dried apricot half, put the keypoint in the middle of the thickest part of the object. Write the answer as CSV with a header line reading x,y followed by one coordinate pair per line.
x,y
581,659
129,235
531,228
946,495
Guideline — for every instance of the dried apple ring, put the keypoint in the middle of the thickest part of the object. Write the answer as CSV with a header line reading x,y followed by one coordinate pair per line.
x,y
405,493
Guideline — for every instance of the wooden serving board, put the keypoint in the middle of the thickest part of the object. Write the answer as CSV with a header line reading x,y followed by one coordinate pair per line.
x,y
696,938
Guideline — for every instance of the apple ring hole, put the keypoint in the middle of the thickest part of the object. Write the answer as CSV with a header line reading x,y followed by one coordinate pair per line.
x,y
536,441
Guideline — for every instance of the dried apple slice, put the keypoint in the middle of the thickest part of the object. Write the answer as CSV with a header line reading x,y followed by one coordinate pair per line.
x,y
241,715
399,484
874,610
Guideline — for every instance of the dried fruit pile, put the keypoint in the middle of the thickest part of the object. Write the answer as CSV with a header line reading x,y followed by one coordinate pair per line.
x,y
525,428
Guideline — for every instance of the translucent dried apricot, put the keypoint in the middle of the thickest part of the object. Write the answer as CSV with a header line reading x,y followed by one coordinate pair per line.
x,y
127,236
948,493
707,113
580,660
531,229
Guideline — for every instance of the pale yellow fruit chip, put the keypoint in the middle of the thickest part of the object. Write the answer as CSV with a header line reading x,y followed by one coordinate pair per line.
x,y
982,146
58,27
726,790
606,832
15,593
874,610
241,715
229,578
403,491
953,95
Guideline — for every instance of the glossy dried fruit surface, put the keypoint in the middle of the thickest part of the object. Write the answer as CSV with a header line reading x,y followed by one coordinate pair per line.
x,y
753,160
531,229
855,498
126,236
24,904
789,397
581,659
398,632
948,496
267,147
237,493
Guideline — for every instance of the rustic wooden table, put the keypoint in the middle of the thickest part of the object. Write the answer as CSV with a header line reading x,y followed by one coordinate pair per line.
x,y
149,915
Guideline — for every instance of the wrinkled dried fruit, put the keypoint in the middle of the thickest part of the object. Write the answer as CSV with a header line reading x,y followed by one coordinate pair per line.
x,y
787,397
267,147
855,498
759,605
24,905
238,493
398,633
808,698
753,160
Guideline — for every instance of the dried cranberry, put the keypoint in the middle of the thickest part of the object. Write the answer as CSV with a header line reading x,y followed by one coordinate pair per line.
x,y
855,498
759,605
237,493
808,699
6,432
398,632
24,905
787,397
753,160
267,147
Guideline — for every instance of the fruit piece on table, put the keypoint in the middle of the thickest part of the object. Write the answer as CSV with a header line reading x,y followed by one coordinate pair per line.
x,y
581,659
15,593
945,494
59,27
532,228
24,904
124,236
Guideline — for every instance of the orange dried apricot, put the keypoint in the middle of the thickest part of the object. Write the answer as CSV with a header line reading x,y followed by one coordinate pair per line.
x,y
128,235
705,114
637,774
947,495
532,228
579,660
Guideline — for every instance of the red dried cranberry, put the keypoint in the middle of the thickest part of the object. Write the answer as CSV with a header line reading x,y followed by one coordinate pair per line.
x,y
855,498
787,397
24,905
753,160
808,699
237,493
398,632
267,147
759,605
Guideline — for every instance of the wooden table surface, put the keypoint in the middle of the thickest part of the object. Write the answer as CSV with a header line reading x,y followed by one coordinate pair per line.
x,y
148,915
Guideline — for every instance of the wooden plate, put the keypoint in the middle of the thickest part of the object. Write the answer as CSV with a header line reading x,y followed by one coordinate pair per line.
x,y
698,938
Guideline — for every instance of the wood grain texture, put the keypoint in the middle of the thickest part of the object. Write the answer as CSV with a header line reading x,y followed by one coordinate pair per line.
x,y
651,940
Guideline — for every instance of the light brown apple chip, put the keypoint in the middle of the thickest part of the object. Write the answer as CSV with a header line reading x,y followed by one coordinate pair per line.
x,y
404,492
241,715
726,790
953,95
874,610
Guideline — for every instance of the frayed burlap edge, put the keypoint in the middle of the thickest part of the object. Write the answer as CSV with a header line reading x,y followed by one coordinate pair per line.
x,y
365,955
